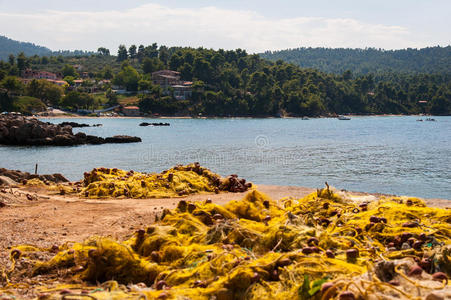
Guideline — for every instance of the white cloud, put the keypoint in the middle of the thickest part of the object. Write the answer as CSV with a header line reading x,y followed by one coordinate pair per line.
x,y
209,27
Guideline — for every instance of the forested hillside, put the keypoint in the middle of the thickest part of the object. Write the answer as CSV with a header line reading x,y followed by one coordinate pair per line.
x,y
9,46
365,61
234,83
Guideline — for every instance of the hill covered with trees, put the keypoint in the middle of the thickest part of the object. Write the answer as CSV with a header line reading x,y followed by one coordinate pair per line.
x,y
230,83
9,46
365,61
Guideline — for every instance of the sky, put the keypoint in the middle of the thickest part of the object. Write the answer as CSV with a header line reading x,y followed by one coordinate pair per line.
x,y
254,25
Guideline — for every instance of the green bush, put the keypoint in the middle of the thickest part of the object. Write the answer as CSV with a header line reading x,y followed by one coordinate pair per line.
x,y
28,105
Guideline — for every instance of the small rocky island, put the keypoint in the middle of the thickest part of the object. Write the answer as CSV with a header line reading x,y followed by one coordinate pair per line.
x,y
77,125
154,124
19,130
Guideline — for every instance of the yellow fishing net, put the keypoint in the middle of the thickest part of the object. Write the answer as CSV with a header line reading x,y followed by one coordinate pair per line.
x,y
322,246
175,182
55,188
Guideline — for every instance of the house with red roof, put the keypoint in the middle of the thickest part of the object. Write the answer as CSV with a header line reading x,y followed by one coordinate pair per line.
x,y
37,74
131,111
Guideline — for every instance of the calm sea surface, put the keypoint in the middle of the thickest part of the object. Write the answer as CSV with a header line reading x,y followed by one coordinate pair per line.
x,y
395,155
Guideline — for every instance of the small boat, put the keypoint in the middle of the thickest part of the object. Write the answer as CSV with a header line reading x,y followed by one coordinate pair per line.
x,y
343,118
419,120
430,119
305,118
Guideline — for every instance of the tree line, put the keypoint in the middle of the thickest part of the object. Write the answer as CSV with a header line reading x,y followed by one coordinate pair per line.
x,y
365,61
9,46
235,83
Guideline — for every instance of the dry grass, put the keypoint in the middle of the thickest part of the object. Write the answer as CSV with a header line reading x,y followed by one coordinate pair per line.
x,y
129,100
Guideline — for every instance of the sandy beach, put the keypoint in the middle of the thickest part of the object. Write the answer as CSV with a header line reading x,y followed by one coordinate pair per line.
x,y
49,219
65,115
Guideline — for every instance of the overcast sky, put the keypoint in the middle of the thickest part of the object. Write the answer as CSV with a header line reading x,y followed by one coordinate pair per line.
x,y
254,25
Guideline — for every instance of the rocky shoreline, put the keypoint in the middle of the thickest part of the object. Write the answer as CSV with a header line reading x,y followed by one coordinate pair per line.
x,y
12,177
21,131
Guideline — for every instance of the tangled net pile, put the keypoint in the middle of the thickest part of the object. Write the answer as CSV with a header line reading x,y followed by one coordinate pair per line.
x,y
178,181
318,247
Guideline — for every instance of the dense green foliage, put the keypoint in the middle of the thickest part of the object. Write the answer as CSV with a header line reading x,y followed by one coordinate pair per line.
x,y
234,83
46,91
237,84
365,61
76,99
128,77
6,102
28,105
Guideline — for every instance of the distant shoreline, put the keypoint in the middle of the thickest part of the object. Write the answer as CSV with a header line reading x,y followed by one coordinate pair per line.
x,y
220,117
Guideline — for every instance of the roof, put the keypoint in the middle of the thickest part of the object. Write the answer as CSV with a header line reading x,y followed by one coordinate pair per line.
x,y
166,71
168,76
181,86
57,81
45,72
131,107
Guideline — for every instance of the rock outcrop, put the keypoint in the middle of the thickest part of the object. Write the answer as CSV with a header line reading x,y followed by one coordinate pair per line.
x,y
77,125
6,181
19,177
18,130
154,124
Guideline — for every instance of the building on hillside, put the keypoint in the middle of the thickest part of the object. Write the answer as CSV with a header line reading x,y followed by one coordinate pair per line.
x,y
166,78
170,80
104,81
36,74
54,81
131,111
78,82
62,83
182,92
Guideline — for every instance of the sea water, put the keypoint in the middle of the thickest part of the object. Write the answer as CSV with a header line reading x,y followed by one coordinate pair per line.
x,y
395,155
